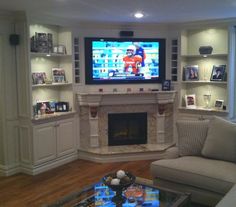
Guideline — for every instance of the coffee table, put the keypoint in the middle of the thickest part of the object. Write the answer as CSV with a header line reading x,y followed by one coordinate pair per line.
x,y
99,195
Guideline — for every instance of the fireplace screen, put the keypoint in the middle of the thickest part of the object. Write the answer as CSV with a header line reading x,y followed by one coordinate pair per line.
x,y
127,129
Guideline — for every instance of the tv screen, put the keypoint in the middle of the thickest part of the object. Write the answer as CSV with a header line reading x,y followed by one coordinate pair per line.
x,y
123,60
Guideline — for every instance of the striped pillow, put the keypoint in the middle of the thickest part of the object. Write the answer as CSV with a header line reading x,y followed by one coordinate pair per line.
x,y
191,136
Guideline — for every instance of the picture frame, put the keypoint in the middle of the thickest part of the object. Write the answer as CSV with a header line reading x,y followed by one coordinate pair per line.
x,y
191,73
219,104
58,75
38,78
190,101
166,85
218,73
59,49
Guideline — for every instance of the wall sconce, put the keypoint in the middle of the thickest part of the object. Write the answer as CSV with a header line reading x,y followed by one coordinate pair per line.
x,y
205,50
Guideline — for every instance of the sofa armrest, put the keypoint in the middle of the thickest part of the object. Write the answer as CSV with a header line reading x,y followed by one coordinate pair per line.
x,y
172,152
229,199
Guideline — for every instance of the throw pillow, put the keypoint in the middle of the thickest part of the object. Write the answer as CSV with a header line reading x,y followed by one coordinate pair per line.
x,y
191,136
221,140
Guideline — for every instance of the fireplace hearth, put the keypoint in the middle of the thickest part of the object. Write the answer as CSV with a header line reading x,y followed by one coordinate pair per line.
x,y
127,129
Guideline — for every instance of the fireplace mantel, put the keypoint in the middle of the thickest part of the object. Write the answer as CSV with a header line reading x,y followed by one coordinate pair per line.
x,y
95,107
118,98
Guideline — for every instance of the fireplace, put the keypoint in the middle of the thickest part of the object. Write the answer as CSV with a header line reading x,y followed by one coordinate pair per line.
x,y
96,107
127,128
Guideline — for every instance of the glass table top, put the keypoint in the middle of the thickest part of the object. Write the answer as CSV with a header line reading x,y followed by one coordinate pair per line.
x,y
140,194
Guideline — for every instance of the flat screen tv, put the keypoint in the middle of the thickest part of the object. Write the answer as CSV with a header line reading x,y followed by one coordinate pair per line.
x,y
124,60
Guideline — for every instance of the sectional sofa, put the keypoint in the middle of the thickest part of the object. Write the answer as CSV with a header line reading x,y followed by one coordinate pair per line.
x,y
203,163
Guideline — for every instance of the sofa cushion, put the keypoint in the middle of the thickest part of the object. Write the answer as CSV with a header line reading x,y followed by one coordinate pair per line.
x,y
191,136
212,175
221,140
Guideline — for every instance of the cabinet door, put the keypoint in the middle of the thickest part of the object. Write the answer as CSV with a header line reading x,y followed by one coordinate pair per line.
x,y
66,137
44,142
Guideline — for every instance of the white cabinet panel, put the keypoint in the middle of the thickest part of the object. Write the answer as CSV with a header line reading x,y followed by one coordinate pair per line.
x,y
44,142
66,142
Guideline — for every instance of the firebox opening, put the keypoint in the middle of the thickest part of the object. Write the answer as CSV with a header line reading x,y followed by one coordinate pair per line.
x,y
127,129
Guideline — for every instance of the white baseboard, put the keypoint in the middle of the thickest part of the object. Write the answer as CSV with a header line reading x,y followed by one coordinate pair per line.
x,y
9,170
34,170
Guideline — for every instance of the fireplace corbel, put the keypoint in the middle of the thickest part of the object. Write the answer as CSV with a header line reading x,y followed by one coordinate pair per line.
x,y
93,111
161,108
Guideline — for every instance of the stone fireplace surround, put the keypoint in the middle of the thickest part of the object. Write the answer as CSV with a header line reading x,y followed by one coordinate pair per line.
x,y
95,107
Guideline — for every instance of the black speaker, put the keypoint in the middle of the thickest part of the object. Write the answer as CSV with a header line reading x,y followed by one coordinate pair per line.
x,y
14,39
126,33
205,50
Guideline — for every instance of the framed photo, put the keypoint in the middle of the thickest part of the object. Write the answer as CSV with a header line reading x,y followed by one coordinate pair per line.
x,y
219,104
191,73
166,85
59,49
218,73
58,75
38,78
190,101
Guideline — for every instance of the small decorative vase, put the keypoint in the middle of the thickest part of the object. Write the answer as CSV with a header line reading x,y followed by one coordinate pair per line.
x,y
207,99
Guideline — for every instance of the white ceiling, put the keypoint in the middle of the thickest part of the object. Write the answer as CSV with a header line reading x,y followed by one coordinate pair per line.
x,y
121,11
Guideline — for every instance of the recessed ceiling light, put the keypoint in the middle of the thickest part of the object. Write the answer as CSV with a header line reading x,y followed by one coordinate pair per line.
x,y
138,15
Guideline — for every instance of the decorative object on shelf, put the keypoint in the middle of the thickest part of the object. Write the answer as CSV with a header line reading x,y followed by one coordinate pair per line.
x,y
59,49
119,181
38,78
128,89
166,85
61,106
205,50
218,73
100,90
207,99
219,104
44,107
191,73
58,75
114,90
41,43
190,101
140,89
48,81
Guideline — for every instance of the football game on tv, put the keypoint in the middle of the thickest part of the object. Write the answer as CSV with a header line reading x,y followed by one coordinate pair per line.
x,y
119,60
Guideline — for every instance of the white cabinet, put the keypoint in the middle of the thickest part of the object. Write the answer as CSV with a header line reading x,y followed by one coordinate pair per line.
x,y
53,140
191,41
